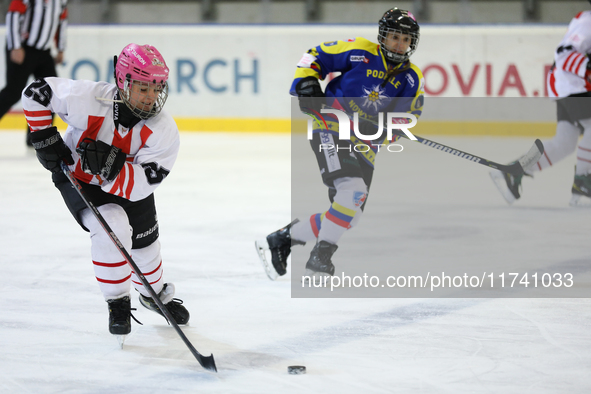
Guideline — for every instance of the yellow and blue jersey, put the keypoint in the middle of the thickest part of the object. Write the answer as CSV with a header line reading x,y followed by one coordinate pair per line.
x,y
365,76
367,84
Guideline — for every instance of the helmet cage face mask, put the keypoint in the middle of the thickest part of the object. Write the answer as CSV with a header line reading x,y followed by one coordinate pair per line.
x,y
394,56
144,99
141,77
399,23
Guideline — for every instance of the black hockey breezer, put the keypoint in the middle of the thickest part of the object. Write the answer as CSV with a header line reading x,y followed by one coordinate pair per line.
x,y
280,243
320,259
179,313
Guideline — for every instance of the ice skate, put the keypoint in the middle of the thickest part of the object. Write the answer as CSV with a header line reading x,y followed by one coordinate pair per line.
x,y
509,185
119,318
319,264
179,313
279,245
581,191
121,340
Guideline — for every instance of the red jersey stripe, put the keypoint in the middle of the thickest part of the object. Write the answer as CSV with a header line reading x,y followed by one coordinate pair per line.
x,y
145,133
119,264
130,181
93,128
123,143
81,175
566,62
579,64
113,282
152,272
45,122
37,113
151,283
553,84
573,62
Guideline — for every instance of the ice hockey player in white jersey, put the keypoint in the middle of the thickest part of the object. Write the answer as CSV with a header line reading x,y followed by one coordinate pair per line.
x,y
569,83
120,146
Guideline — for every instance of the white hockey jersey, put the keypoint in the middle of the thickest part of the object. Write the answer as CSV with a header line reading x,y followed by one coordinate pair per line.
x,y
567,77
151,145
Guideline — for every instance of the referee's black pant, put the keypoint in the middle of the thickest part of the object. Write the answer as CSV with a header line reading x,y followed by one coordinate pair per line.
x,y
38,63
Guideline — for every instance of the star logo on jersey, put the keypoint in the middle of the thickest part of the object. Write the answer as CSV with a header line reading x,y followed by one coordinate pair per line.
x,y
374,96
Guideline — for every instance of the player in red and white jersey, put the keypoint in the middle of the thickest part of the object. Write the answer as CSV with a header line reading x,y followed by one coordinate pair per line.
x,y
568,76
120,145
569,83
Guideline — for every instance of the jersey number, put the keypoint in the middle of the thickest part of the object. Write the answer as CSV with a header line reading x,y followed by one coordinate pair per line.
x,y
39,91
154,173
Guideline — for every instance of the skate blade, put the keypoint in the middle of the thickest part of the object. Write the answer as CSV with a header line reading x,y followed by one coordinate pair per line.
x,y
121,340
580,201
262,246
499,180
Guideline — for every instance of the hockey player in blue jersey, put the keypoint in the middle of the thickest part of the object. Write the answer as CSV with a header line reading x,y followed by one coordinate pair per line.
x,y
373,78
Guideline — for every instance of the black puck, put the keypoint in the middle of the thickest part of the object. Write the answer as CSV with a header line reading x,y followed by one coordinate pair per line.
x,y
296,369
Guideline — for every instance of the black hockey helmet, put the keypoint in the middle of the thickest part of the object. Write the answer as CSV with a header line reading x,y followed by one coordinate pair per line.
x,y
401,21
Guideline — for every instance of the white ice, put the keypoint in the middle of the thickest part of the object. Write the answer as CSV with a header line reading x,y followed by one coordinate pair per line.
x,y
228,190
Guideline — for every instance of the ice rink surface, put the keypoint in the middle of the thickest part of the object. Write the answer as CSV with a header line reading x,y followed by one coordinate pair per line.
x,y
227,190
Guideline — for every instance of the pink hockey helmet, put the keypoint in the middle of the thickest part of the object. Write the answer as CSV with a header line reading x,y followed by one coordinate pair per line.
x,y
141,74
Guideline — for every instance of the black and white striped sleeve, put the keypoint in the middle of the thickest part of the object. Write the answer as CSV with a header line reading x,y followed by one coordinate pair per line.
x,y
14,19
60,35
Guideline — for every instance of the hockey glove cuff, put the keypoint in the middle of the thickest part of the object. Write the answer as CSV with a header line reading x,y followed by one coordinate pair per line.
x,y
310,94
51,149
99,158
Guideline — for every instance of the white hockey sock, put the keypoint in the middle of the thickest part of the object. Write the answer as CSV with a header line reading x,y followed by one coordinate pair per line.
x,y
351,193
149,261
306,230
111,270
584,149
560,146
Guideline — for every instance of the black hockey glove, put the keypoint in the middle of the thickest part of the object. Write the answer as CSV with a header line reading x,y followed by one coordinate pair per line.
x,y
50,149
98,158
310,94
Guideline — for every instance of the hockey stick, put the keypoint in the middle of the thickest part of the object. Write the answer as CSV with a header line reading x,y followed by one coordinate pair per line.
x,y
516,169
206,362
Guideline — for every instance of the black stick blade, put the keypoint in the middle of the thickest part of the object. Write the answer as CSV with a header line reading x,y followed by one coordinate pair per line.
x,y
207,362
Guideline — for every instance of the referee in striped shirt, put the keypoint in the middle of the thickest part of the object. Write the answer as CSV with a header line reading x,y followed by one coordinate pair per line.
x,y
30,27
